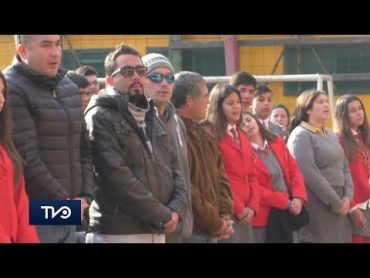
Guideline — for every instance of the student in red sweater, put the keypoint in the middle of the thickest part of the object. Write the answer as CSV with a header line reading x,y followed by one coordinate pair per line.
x,y
281,182
352,127
14,214
224,118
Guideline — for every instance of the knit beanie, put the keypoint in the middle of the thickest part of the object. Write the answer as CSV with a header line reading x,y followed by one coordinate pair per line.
x,y
155,60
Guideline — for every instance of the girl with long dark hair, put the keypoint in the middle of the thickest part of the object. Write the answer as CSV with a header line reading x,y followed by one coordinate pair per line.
x,y
14,208
224,118
352,127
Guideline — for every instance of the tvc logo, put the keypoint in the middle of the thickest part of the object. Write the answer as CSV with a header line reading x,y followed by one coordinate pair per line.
x,y
55,212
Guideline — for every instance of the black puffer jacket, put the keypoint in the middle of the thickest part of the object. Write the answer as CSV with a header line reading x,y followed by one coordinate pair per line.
x,y
50,134
137,190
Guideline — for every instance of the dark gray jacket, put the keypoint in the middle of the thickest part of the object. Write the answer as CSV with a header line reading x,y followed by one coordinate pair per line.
x,y
177,134
137,190
50,134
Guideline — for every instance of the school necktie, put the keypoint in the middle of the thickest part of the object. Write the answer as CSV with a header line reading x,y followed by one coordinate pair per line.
x,y
363,150
235,136
359,138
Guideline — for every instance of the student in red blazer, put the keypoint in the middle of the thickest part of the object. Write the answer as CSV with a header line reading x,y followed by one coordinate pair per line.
x,y
352,127
224,118
277,174
14,215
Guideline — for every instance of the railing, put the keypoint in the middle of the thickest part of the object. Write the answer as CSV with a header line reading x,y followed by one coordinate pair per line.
x,y
319,78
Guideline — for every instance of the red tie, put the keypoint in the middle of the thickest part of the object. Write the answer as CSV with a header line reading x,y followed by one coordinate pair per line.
x,y
235,136
359,139
363,149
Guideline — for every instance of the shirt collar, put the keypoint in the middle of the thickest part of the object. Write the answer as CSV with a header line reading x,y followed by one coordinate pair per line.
x,y
229,127
265,122
257,147
354,132
313,129
111,91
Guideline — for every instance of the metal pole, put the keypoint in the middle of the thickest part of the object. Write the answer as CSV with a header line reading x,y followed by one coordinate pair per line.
x,y
319,82
319,78
331,95
273,78
281,78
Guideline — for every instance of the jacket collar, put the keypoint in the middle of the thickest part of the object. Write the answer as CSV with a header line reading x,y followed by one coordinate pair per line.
x,y
313,129
169,112
189,123
228,140
49,83
280,154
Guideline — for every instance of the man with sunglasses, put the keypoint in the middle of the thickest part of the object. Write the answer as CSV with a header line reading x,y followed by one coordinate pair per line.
x,y
141,194
158,86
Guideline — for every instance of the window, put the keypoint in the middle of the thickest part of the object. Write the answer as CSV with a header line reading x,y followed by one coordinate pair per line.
x,y
205,61
91,57
159,50
334,58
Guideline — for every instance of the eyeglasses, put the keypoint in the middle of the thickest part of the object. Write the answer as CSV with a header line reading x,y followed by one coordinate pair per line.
x,y
158,77
128,71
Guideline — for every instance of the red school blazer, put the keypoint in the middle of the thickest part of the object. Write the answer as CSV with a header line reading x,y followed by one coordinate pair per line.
x,y
14,209
293,179
360,177
240,170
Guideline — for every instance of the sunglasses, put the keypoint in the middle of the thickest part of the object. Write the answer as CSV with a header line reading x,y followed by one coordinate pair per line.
x,y
128,71
158,77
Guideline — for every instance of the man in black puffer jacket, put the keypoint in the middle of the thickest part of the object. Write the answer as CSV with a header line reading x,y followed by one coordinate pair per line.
x,y
49,129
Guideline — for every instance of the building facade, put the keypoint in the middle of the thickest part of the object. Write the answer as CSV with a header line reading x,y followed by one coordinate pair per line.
x,y
346,57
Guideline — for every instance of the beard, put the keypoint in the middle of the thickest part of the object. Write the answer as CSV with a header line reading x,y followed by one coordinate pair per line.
x,y
137,96
138,99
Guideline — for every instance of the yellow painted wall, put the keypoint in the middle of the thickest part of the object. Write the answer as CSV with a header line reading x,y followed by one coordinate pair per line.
x,y
263,37
260,60
140,42
7,50
202,38
205,38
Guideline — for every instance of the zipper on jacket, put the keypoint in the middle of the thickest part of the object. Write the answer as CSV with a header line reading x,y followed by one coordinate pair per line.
x,y
70,142
71,148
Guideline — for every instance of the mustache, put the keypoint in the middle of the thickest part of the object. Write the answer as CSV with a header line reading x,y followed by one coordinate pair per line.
x,y
134,84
